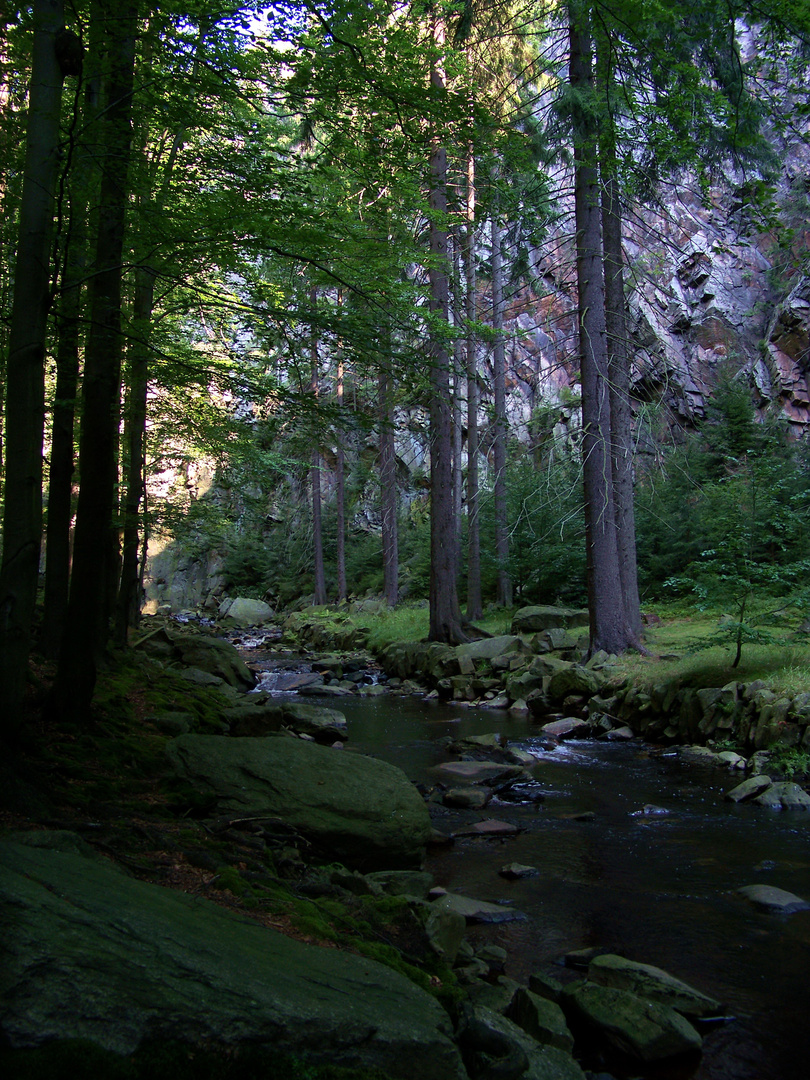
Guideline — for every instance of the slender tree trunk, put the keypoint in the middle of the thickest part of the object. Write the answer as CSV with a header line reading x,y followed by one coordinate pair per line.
x,y
608,625
504,589
445,615
82,192
95,546
134,479
25,373
60,473
474,605
388,491
621,419
315,474
458,423
340,495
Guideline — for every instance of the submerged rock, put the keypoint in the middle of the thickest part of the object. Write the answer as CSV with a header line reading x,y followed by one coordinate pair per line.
x,y
512,871
357,809
480,911
773,899
91,953
490,828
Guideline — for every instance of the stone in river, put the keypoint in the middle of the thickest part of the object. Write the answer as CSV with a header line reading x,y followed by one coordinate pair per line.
x,y
476,910
640,1027
477,771
651,982
544,1020
467,798
748,789
490,827
568,728
514,870
768,896
784,796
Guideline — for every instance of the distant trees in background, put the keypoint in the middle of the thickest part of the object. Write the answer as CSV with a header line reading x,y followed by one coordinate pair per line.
x,y
234,238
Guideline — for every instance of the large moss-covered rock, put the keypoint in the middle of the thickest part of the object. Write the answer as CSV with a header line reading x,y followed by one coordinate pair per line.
x,y
643,1028
487,648
651,982
244,611
574,680
530,620
356,809
89,952
212,655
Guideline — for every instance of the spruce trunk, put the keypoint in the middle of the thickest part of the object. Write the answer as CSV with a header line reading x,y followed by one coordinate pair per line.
x,y
445,615
608,626
95,548
25,373
504,589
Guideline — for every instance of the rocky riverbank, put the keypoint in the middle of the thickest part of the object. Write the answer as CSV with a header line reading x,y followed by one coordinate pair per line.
x,y
539,668
195,901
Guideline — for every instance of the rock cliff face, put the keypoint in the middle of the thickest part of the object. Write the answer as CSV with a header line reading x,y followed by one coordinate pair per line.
x,y
707,293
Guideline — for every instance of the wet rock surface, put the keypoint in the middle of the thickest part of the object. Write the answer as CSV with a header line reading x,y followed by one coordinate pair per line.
x,y
90,952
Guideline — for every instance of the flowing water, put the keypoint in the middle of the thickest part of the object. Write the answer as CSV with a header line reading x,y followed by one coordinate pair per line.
x,y
659,887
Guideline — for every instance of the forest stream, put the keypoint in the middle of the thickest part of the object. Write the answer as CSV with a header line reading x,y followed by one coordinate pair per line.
x,y
656,886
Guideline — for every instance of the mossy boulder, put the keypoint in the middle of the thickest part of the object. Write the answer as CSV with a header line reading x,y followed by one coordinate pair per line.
x,y
531,620
214,656
653,983
640,1027
574,679
352,808
91,953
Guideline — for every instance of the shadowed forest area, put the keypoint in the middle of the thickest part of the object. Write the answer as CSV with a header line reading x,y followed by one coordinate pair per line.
x,y
443,361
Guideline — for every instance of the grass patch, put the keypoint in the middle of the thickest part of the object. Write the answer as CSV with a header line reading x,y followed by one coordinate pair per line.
x,y
408,622
678,651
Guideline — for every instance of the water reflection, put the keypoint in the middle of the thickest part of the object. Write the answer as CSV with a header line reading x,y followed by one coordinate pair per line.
x,y
658,888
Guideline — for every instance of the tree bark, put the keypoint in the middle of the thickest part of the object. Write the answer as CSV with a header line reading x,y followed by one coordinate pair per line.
x,y
474,605
388,492
608,625
445,615
504,586
95,545
621,419
315,473
134,479
340,496
25,373
458,423
82,192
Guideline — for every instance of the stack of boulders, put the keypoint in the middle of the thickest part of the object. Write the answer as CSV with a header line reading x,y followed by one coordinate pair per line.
x,y
539,667
762,786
